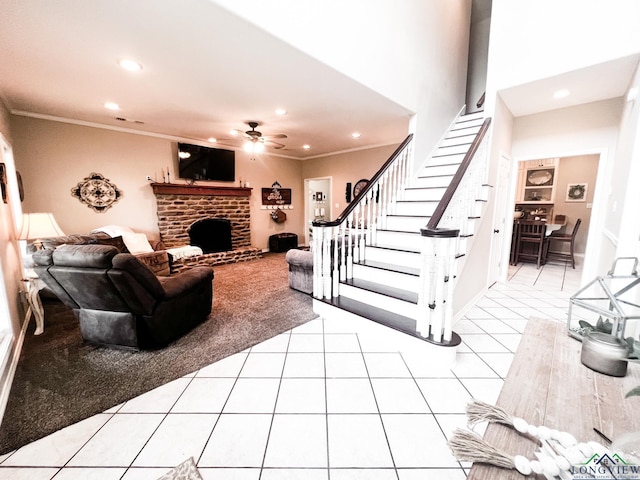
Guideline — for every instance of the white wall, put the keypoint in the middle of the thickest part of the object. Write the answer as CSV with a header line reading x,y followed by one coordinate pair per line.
x,y
414,52
54,156
625,194
478,58
534,40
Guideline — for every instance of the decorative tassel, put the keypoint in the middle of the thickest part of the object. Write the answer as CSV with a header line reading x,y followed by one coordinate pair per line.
x,y
470,447
478,412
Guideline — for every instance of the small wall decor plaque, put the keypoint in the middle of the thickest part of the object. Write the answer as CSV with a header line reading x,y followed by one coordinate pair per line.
x,y
576,192
97,192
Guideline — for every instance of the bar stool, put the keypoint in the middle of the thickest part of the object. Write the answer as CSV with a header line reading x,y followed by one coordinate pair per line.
x,y
531,241
565,238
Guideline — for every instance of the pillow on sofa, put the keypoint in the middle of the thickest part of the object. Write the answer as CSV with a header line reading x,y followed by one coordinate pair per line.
x,y
117,242
113,230
137,243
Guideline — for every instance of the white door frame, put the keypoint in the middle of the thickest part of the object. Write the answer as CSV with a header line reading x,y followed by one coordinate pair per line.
x,y
307,200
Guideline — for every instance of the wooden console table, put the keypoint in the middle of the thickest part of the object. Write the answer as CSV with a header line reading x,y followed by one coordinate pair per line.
x,y
548,385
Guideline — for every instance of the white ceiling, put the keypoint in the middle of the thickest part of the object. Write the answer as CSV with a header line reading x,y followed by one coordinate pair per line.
x,y
205,72
598,82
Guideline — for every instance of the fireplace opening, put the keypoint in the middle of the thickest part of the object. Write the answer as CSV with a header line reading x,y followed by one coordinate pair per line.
x,y
211,234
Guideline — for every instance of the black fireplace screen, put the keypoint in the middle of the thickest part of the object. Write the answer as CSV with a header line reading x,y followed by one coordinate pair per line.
x,y
211,234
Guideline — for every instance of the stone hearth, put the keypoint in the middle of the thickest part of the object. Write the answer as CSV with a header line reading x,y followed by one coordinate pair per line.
x,y
179,206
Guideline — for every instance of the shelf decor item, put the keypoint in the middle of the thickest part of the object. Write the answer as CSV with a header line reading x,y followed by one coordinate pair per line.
x,y
540,177
576,192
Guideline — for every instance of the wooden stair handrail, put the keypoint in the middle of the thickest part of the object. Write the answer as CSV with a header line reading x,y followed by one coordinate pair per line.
x,y
457,178
349,208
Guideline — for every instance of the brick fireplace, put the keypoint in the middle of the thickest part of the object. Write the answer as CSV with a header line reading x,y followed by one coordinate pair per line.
x,y
180,206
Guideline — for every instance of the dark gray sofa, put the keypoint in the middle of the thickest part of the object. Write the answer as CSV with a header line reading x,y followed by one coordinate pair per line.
x,y
119,301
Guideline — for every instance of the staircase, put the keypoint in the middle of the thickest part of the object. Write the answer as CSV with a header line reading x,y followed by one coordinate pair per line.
x,y
374,261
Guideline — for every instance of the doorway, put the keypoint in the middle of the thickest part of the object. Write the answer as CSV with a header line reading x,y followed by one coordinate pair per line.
x,y
559,191
317,203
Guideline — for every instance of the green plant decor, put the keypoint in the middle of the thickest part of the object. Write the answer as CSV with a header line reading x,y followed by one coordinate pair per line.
x,y
606,327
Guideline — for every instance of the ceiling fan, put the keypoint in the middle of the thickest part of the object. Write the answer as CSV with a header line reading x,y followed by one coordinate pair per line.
x,y
255,140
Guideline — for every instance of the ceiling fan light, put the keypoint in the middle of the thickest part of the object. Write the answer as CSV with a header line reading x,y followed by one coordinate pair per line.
x,y
130,65
258,147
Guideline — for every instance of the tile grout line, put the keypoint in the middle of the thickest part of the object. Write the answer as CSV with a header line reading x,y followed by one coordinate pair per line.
x,y
204,448
375,399
326,397
275,405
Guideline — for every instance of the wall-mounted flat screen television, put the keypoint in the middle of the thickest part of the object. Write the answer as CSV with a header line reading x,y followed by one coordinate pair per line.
x,y
206,163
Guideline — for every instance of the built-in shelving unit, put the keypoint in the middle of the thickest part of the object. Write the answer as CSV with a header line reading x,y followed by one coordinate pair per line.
x,y
536,187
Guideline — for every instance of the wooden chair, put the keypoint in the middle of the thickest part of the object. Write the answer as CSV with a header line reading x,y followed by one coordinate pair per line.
x,y
565,238
531,241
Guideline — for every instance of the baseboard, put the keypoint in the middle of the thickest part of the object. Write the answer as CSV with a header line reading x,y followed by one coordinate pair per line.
x,y
9,365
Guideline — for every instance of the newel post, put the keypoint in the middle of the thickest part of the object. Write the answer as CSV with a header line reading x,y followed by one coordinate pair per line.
x,y
437,275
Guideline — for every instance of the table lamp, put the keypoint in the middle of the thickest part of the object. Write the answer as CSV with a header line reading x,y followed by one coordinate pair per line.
x,y
39,225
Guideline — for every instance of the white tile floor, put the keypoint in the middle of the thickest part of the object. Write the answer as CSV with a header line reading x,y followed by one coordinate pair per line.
x,y
313,403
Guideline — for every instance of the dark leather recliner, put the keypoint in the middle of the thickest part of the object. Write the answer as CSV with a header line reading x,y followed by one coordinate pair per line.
x,y
119,301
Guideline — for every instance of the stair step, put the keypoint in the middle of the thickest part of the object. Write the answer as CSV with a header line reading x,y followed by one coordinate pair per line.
x,y
433,181
422,208
400,258
472,117
462,148
392,267
406,223
447,167
376,295
463,131
458,140
423,193
388,275
397,322
411,241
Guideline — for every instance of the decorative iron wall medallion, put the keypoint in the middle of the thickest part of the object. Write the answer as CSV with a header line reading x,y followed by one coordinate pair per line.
x,y
97,192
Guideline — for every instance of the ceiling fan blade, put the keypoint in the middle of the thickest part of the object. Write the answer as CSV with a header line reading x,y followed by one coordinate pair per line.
x,y
275,145
277,135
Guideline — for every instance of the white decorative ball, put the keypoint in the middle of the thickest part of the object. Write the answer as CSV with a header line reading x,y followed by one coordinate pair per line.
x,y
522,464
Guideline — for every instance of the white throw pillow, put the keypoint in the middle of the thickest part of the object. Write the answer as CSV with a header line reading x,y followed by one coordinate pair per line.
x,y
137,243
113,230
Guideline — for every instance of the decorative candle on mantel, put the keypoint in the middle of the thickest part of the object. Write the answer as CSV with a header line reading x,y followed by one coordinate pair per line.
x,y
168,177
163,179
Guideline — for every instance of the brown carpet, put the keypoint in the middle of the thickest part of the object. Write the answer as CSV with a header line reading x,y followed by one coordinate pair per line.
x,y
60,380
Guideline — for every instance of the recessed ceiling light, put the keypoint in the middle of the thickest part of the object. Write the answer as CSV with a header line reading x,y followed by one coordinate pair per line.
x,y
234,132
306,147
281,111
111,106
130,65
561,93
213,140
355,135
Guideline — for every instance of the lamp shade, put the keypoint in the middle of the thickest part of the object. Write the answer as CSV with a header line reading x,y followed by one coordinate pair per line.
x,y
39,225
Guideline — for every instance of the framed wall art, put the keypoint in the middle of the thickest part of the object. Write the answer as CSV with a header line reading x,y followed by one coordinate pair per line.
x,y
97,192
576,192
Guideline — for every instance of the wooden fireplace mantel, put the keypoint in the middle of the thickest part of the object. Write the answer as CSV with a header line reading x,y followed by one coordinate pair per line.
x,y
183,189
